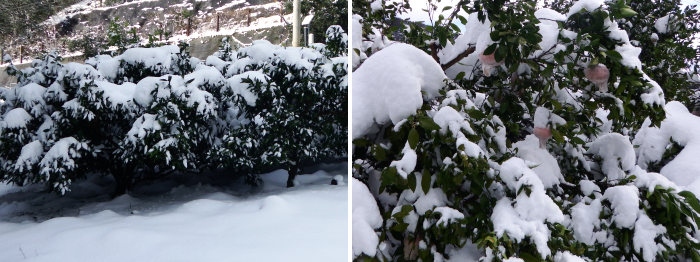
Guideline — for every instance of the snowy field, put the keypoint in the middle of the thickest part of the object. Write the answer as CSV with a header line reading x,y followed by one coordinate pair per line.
x,y
209,217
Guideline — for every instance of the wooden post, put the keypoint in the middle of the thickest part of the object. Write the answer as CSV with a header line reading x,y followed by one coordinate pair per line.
x,y
248,17
20,55
217,22
189,21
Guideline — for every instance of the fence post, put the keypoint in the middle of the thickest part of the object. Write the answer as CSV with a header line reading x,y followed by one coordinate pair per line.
x,y
189,22
21,58
217,22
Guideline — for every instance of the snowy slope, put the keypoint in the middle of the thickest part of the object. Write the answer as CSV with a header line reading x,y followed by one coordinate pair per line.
x,y
208,218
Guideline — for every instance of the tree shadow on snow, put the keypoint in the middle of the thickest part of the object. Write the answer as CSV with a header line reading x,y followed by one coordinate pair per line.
x,y
92,195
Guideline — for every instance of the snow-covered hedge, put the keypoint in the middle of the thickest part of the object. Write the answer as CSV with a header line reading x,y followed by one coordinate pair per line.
x,y
514,140
152,111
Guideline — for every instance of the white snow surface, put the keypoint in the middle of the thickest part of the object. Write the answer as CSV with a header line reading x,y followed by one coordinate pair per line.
x,y
589,5
16,118
617,153
584,219
357,41
365,218
547,166
407,163
549,14
448,215
624,200
644,234
387,86
528,215
681,126
661,24
566,256
209,217
158,58
117,94
240,88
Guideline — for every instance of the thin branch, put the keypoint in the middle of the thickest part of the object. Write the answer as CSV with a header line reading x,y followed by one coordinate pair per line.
x,y
454,13
464,54
433,52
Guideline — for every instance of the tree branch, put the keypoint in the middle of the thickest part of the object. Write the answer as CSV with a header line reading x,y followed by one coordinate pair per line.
x,y
433,52
464,54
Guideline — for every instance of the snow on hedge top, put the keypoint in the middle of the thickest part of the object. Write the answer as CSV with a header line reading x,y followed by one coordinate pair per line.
x,y
80,72
617,153
388,85
145,124
299,57
31,97
117,94
174,85
241,88
365,218
217,62
31,153
589,5
157,58
16,118
108,66
259,51
144,88
205,75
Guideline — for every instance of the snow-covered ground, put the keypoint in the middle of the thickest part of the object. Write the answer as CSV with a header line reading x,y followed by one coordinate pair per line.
x,y
208,217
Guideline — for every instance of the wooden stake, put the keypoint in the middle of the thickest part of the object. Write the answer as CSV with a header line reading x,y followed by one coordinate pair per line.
x,y
20,55
189,22
217,22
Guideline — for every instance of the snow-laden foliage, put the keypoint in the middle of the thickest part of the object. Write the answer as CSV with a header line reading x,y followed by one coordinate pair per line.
x,y
512,141
295,100
665,31
149,112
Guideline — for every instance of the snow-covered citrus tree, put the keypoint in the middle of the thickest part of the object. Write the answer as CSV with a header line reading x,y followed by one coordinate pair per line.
x,y
296,100
513,140
149,112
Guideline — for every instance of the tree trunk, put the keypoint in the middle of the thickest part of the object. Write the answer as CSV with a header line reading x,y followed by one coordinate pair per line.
x,y
123,177
121,187
293,170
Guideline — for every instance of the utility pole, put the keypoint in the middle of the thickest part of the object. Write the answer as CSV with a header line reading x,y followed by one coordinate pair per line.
x,y
296,23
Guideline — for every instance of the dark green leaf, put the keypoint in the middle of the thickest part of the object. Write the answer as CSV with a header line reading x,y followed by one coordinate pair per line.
x,y
528,258
428,123
425,182
413,138
412,183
